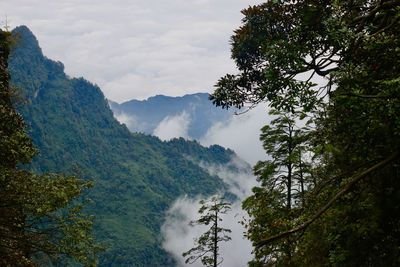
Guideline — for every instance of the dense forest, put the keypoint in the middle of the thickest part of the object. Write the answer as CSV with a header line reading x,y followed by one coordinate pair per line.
x,y
328,193
41,220
329,70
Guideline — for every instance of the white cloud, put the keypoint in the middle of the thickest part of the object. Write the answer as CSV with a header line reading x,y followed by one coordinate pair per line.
x,y
175,126
179,236
241,134
128,120
239,179
135,49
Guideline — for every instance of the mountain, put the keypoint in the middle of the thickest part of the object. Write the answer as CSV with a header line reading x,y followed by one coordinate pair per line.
x,y
146,116
137,177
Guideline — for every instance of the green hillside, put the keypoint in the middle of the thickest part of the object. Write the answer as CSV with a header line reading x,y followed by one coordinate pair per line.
x,y
136,176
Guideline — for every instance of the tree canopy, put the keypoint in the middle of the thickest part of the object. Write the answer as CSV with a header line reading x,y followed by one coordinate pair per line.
x,y
336,63
338,40
284,180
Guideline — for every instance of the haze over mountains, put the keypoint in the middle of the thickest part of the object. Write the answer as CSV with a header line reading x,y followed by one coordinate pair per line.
x,y
194,117
189,116
137,177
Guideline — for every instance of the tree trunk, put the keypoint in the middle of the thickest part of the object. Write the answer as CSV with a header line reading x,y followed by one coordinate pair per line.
x,y
301,182
216,239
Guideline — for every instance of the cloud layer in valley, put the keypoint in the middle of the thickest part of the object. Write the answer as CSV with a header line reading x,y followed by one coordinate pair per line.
x,y
135,49
179,236
129,120
174,126
242,134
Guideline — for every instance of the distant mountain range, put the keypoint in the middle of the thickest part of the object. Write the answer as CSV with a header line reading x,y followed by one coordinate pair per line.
x,y
194,112
137,177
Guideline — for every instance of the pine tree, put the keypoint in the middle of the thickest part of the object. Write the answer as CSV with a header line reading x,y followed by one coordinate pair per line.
x,y
207,245
280,198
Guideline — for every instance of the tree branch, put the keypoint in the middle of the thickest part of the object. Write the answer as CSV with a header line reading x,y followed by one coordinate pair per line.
x,y
338,195
384,97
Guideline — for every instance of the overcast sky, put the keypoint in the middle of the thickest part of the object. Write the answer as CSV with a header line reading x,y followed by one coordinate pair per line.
x,y
135,49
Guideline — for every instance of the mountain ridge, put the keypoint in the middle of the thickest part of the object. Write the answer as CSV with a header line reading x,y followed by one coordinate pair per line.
x,y
161,96
148,116
136,176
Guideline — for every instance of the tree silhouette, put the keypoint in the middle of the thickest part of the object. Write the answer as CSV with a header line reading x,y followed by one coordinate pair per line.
x,y
207,245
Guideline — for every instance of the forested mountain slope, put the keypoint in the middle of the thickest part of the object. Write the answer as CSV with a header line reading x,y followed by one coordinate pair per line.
x,y
136,176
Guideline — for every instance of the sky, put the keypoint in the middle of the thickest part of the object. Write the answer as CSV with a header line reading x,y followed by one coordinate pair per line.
x,y
135,49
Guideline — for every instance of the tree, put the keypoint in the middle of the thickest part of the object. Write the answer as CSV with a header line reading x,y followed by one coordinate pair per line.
x,y
352,47
281,39
207,245
41,216
280,198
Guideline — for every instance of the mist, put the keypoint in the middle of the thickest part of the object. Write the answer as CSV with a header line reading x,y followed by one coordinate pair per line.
x,y
174,126
178,235
241,134
128,120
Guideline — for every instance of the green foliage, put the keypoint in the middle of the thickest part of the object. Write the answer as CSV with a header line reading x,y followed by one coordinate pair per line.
x,y
136,177
207,245
278,202
40,213
351,215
